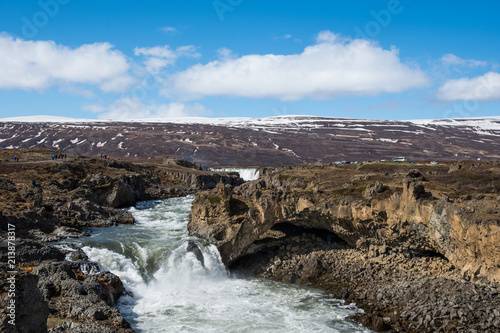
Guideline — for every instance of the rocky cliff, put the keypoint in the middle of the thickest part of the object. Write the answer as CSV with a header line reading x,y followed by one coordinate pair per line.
x,y
292,225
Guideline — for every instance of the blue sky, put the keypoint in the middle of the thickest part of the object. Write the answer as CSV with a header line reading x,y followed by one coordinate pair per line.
x,y
123,59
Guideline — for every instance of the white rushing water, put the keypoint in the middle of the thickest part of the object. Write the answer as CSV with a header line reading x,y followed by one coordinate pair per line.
x,y
171,291
247,174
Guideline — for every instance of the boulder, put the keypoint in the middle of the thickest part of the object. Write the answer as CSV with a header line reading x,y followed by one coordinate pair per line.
x,y
193,248
371,191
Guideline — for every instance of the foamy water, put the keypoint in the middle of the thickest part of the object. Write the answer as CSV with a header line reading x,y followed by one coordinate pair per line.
x,y
171,291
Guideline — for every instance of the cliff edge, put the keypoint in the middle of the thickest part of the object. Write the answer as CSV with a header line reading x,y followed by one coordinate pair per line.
x,y
440,223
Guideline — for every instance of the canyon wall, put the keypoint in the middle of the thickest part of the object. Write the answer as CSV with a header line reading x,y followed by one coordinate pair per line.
x,y
239,220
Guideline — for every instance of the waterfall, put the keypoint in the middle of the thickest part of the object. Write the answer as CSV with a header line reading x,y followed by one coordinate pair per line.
x,y
170,290
247,174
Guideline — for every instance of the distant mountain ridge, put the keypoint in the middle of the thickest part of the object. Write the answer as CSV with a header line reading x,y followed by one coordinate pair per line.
x,y
260,141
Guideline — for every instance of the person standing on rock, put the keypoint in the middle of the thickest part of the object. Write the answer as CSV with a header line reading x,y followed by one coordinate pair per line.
x,y
33,184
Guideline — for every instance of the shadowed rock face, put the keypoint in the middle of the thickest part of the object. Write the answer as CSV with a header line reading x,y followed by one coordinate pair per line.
x,y
31,309
269,141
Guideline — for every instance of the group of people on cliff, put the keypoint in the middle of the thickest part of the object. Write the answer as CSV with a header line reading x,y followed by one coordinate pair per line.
x,y
104,157
59,156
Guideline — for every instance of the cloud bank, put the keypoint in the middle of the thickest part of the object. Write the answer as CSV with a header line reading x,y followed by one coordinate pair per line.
x,y
332,67
38,65
480,88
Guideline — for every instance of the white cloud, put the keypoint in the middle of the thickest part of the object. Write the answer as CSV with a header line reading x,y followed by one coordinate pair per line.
x,y
330,68
159,57
326,36
452,60
225,54
42,64
169,30
133,108
156,51
480,88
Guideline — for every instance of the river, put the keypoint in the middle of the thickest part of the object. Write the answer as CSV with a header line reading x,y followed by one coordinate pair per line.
x,y
169,290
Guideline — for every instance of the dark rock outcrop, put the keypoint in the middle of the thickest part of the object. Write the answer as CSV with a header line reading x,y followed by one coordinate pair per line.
x,y
31,310
82,301
30,252
194,249
82,213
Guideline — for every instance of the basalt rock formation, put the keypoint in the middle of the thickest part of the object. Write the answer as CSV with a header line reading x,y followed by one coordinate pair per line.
x,y
398,244
238,219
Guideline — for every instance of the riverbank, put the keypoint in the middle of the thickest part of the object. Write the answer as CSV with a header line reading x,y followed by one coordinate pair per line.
x,y
416,249
46,201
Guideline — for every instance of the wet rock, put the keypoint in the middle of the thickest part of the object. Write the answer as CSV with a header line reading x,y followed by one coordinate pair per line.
x,y
193,248
76,296
113,285
78,255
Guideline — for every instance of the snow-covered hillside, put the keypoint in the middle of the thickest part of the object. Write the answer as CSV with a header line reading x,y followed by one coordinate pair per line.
x,y
259,141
